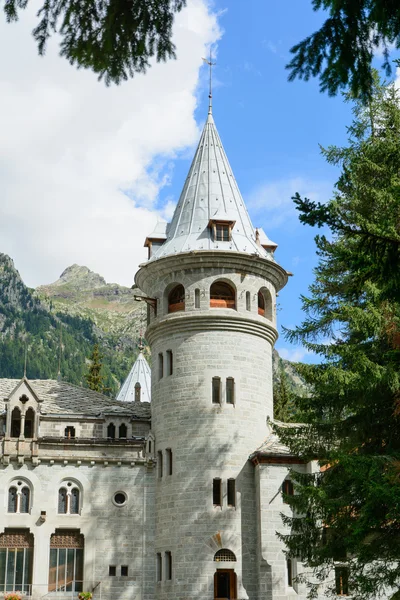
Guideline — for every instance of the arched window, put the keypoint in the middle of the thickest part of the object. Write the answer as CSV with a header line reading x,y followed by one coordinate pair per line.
x,y
138,388
123,431
111,431
68,499
176,299
12,500
265,303
24,500
15,423
222,295
29,423
224,555
19,496
69,432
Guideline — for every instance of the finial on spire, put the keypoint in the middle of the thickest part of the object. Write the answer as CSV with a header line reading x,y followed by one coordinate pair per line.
x,y
211,64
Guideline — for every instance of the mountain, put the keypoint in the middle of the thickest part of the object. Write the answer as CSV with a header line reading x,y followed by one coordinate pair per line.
x,y
80,309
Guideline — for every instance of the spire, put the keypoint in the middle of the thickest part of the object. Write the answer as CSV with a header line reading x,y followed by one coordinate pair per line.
x,y
210,196
137,386
211,64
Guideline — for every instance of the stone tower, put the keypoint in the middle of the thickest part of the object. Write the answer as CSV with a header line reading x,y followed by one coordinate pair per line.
x,y
211,282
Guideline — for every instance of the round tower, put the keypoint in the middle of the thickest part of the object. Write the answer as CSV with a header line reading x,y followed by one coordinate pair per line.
x,y
211,282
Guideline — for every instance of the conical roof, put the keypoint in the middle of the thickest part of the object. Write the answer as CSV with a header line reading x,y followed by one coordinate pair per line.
x,y
139,374
210,194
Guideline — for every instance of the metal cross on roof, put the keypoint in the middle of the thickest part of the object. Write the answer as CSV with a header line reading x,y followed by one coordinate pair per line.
x,y
211,64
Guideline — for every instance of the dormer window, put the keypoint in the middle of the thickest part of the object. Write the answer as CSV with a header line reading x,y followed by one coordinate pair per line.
x,y
221,230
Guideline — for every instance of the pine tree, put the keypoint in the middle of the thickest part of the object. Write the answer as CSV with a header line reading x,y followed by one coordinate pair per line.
x,y
350,509
94,377
284,409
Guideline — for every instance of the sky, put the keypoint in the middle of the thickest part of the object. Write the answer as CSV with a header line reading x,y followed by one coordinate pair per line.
x,y
86,170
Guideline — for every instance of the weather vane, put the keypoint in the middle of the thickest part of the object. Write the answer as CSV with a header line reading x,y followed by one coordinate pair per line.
x,y
211,64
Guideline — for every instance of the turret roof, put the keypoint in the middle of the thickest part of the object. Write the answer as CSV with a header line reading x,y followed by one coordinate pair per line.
x,y
140,373
210,194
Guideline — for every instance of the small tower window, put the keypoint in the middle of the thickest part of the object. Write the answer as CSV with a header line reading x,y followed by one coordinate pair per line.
x,y
248,301
176,299
170,363
160,365
289,569
138,389
123,431
69,432
230,390
111,431
231,492
216,390
261,304
287,488
169,461
222,295
159,566
197,298
264,300
168,566
160,463
217,492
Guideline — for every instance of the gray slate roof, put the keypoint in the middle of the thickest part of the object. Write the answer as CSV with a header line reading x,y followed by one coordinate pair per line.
x,y
59,398
140,373
210,193
272,445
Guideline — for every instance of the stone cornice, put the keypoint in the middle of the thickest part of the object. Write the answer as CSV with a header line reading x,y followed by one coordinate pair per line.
x,y
220,320
238,262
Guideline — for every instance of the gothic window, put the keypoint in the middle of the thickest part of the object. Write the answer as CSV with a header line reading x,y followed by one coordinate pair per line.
x,y
138,389
16,554
66,561
231,492
217,492
111,431
19,495
197,298
68,499
230,390
69,432
224,555
222,295
123,431
176,299
216,390
170,362
287,488
15,423
29,423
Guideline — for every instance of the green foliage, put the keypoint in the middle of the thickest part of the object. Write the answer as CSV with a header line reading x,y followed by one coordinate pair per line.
x,y
114,38
94,378
341,51
284,407
353,322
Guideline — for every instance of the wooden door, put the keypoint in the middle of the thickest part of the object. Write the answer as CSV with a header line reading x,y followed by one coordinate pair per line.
x,y
225,584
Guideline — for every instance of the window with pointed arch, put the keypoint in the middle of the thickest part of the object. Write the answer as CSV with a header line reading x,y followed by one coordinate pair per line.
x,y
111,431
123,431
19,497
16,423
29,428
69,498
222,295
176,299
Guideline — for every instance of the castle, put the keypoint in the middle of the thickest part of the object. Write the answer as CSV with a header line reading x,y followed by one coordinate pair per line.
x,y
178,498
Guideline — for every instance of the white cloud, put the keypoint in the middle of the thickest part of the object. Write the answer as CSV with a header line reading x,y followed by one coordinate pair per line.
x,y
81,165
294,354
273,202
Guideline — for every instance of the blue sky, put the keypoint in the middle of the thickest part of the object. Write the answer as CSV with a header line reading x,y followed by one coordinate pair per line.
x,y
85,170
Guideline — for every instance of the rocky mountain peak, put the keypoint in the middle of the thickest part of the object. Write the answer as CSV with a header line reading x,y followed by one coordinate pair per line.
x,y
80,277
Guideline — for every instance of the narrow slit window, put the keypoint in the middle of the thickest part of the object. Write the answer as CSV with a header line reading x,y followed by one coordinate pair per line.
x,y
160,463
231,492
197,298
159,566
216,390
289,570
248,301
170,363
160,365
168,566
217,492
230,390
169,461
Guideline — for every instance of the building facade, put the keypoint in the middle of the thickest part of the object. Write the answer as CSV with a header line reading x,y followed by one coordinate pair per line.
x,y
180,498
